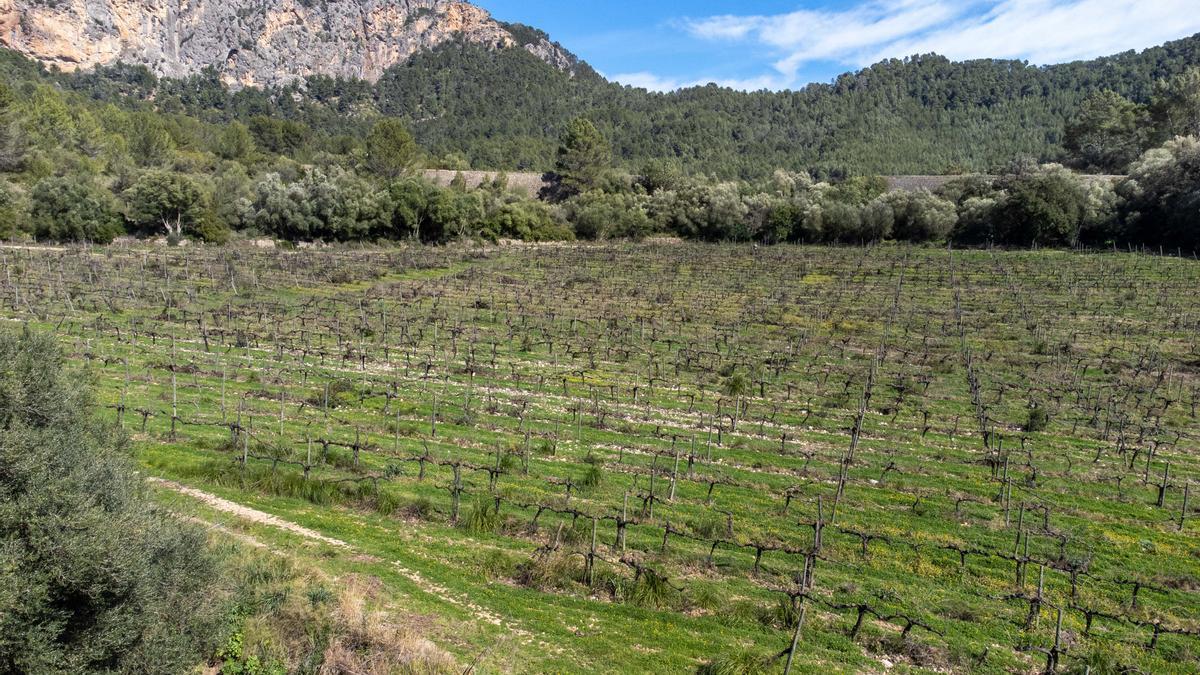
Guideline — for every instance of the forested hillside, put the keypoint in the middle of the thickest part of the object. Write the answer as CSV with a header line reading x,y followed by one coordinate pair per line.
x,y
94,155
921,115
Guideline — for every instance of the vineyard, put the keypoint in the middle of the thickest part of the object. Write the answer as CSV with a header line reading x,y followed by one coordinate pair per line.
x,y
668,457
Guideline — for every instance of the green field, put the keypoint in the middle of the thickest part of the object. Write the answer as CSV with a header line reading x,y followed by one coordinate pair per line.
x,y
659,457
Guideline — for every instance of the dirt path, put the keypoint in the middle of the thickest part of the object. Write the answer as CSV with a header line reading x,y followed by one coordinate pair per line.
x,y
247,513
25,247
260,517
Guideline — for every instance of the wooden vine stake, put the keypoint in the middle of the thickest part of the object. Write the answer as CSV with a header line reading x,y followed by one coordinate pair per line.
x,y
1187,488
787,668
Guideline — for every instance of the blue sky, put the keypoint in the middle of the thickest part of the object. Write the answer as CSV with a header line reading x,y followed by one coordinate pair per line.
x,y
779,44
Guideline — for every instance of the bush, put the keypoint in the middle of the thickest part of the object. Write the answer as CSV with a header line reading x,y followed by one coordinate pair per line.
x,y
1037,420
840,222
329,205
525,220
701,211
95,576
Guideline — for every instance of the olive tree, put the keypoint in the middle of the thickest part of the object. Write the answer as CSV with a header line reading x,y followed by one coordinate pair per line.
x,y
93,576
73,209
598,215
1162,195
165,200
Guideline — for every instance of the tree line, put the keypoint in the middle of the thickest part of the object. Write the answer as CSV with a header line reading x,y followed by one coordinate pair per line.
x,y
86,158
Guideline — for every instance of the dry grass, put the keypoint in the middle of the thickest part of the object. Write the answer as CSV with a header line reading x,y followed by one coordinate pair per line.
x,y
368,641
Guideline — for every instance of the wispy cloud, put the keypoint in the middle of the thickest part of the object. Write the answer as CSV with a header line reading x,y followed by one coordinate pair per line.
x,y
1050,31
811,35
646,80
1041,31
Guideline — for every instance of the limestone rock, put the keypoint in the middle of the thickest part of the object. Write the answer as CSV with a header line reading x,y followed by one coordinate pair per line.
x,y
251,42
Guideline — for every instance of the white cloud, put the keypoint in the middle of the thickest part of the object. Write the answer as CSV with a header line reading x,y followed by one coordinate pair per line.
x,y
725,27
1041,31
1049,31
645,80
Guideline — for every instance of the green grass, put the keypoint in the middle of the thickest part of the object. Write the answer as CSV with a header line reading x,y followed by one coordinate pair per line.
x,y
583,372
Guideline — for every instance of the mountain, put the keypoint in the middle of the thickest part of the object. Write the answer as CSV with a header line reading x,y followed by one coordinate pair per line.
x,y
256,42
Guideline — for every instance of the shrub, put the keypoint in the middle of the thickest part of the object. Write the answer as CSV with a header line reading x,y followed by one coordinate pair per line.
x,y
702,211
1037,420
333,205
526,220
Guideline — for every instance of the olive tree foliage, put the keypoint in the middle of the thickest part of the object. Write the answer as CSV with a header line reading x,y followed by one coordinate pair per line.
x,y
598,215
828,220
1162,195
712,212
165,201
332,205
93,576
451,214
434,215
976,221
823,213
1100,224
525,220
74,209
789,184
921,216
702,210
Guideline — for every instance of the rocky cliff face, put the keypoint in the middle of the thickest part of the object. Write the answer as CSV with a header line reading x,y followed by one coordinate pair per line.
x,y
251,42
